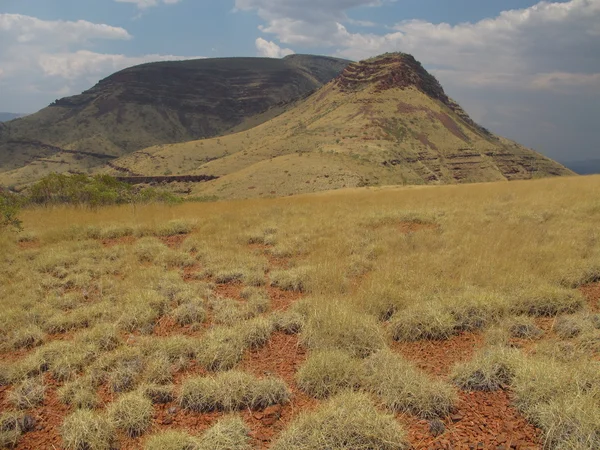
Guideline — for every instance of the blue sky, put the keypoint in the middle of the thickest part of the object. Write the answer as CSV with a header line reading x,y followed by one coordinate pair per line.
x,y
526,70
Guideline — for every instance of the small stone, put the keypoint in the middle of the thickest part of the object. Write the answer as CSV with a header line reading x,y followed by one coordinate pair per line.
x,y
172,410
28,423
456,417
437,427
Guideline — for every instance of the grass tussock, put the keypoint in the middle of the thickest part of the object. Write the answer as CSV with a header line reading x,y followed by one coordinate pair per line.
x,y
294,279
88,430
349,420
80,393
232,391
490,369
28,394
337,325
403,387
229,433
12,426
548,301
223,347
423,321
132,413
171,440
329,372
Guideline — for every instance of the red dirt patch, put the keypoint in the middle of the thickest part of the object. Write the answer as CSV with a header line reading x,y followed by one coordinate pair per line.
x,y
173,241
28,245
229,290
49,418
281,357
438,357
125,240
484,420
592,293
282,300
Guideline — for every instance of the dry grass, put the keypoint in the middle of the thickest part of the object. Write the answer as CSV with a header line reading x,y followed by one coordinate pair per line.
x,y
500,258
329,372
85,429
403,387
132,413
229,433
231,391
349,420
332,324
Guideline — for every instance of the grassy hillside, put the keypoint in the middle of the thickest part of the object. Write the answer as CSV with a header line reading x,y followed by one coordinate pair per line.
x,y
157,103
381,318
382,121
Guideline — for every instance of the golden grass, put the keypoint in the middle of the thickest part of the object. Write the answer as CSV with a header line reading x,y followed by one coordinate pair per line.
x,y
500,256
349,420
231,391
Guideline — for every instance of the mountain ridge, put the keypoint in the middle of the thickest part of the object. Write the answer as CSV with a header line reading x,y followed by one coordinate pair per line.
x,y
381,121
158,103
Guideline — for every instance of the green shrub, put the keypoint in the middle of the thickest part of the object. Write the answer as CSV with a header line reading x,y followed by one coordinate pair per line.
x,y
10,205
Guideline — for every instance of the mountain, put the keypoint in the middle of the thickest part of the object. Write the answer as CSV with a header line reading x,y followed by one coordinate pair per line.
x,y
158,103
382,121
585,167
5,116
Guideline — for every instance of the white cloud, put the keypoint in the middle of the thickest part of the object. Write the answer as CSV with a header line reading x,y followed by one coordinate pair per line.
x,y
31,30
44,59
143,4
520,60
84,63
270,49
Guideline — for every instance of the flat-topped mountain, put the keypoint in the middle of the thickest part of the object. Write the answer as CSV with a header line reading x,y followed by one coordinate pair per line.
x,y
158,103
382,121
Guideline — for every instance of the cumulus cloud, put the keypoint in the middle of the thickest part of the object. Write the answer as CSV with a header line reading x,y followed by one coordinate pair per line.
x,y
548,49
144,4
270,49
42,59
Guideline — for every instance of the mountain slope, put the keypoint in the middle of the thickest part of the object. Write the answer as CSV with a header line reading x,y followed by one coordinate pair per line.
x,y
382,121
158,103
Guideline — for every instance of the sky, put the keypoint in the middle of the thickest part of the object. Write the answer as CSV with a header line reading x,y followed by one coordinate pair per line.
x,y
527,70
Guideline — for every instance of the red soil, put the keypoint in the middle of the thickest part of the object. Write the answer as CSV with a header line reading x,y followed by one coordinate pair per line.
x,y
281,357
173,241
438,357
280,299
484,420
48,417
592,293
27,245
125,240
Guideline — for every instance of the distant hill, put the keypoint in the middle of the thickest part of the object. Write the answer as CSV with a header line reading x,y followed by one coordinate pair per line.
x,y
5,116
158,103
382,121
585,167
